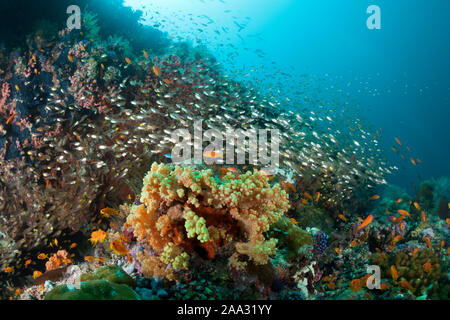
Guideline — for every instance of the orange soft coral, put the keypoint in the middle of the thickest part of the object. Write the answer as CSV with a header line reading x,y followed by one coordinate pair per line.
x,y
192,210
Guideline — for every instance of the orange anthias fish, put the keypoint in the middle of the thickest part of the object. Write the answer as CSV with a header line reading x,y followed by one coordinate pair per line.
x,y
157,70
73,245
128,60
447,221
342,217
423,217
108,212
27,262
417,206
307,195
413,161
287,186
355,285
394,149
405,284
374,197
398,201
396,239
398,141
213,155
9,269
37,274
403,212
42,256
70,58
145,54
427,241
394,273
11,118
224,171
365,223
120,249
338,251
97,236
294,221
427,267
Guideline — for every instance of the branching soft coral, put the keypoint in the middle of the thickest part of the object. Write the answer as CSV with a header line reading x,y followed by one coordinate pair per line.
x,y
199,213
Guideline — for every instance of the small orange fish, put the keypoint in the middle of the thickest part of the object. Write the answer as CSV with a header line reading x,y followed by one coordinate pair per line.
x,y
405,284
384,286
338,251
157,70
108,212
37,274
9,269
417,206
355,285
427,267
398,201
294,221
73,245
413,161
17,292
27,262
427,241
317,196
415,251
418,160
374,197
288,186
128,60
394,273
97,236
145,54
168,81
342,217
396,239
398,141
120,249
90,258
394,149
403,212
423,217
447,221
17,88
353,243
11,118
70,58
365,223
213,155
304,201
42,256
307,196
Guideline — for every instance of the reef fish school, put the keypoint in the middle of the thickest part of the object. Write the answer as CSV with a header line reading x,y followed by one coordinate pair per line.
x,y
225,310
256,143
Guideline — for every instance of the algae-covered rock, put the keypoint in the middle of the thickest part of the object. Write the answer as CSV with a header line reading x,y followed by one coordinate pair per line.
x,y
291,236
93,290
111,273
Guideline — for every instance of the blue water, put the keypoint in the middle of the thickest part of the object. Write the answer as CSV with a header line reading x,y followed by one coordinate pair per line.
x,y
399,74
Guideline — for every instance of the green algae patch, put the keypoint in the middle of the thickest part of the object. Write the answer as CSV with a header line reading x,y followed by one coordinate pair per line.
x,y
111,273
93,290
